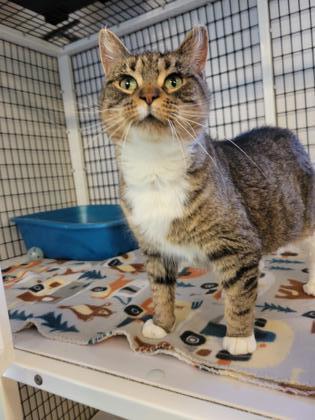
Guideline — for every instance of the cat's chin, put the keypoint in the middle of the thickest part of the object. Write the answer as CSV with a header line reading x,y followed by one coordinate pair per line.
x,y
151,122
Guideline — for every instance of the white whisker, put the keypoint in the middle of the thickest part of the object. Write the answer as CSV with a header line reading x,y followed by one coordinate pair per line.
x,y
108,124
116,129
111,108
213,160
174,133
248,157
126,134
193,112
184,128
187,119
195,138
86,127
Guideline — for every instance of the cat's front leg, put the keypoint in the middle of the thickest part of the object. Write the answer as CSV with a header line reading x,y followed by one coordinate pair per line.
x,y
240,281
162,274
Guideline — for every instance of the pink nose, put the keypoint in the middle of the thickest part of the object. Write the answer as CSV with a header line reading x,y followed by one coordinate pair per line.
x,y
149,94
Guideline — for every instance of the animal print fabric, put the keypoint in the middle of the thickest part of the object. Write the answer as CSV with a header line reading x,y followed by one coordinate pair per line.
x,y
85,303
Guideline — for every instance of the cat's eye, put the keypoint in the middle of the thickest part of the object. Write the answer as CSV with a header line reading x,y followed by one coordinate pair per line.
x,y
128,84
173,82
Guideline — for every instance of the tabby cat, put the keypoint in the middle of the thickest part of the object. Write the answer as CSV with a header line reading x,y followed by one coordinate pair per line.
x,y
188,197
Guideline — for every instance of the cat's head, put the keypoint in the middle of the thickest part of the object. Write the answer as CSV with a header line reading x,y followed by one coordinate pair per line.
x,y
156,96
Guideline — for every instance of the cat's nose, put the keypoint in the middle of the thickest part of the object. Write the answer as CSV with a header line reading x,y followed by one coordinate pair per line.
x,y
149,94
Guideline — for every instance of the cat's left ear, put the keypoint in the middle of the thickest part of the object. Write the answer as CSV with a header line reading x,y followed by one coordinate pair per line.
x,y
194,48
112,50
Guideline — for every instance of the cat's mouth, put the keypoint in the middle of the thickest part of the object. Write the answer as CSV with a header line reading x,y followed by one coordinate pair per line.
x,y
150,120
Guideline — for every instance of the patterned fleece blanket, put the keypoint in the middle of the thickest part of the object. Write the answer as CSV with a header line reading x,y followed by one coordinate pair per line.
x,y
87,302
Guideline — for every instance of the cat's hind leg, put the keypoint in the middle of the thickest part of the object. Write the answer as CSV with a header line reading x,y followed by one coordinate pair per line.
x,y
162,274
309,287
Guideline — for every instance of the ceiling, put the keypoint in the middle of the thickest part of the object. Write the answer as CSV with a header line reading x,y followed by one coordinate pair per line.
x,y
62,22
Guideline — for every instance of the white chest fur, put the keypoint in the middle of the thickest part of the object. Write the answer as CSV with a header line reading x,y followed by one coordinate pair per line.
x,y
156,188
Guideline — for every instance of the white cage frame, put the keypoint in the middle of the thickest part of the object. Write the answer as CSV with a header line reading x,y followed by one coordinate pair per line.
x,y
104,391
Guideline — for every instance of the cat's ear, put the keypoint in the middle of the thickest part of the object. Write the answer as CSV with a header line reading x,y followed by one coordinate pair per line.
x,y
194,49
112,50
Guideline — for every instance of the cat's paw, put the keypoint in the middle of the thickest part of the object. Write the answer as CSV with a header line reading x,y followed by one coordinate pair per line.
x,y
150,330
239,345
309,288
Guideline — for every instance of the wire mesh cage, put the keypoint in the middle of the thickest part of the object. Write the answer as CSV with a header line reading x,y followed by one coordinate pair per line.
x,y
36,172
41,405
293,36
79,24
36,157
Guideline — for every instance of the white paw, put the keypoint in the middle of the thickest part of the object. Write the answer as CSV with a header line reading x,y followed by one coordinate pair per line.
x,y
309,288
239,345
150,330
261,265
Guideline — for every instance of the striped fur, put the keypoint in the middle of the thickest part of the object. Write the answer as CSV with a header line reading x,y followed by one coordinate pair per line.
x,y
188,197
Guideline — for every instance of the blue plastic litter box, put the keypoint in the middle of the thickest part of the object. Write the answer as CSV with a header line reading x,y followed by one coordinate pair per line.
x,y
93,232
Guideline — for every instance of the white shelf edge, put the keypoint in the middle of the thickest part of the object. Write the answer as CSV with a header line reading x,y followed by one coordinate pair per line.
x,y
114,394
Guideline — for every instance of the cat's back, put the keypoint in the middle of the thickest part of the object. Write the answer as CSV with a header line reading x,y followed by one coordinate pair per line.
x,y
274,175
271,150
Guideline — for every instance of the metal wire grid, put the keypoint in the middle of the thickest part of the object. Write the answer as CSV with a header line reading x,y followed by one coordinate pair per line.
x,y
99,155
233,73
233,69
293,47
41,405
35,168
91,18
235,76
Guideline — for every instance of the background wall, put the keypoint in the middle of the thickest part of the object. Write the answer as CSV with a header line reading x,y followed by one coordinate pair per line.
x,y
35,168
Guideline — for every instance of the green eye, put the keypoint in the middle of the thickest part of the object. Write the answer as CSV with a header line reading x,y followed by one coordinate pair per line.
x,y
173,82
128,83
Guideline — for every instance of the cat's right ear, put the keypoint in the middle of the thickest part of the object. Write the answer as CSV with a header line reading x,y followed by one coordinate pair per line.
x,y
112,50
